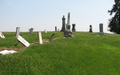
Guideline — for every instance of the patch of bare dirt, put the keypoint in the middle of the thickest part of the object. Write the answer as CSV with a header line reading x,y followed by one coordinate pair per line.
x,y
22,47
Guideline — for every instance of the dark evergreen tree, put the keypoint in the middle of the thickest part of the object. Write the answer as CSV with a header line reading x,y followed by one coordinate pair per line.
x,y
114,23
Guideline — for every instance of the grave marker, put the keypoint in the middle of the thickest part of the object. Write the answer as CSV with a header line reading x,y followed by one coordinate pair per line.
x,y
55,28
45,31
91,29
52,36
101,29
23,41
30,31
17,31
40,38
73,28
1,35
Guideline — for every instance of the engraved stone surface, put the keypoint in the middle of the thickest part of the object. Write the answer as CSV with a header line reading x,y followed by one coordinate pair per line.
x,y
30,31
90,29
55,28
1,35
73,28
52,36
4,52
101,29
63,24
68,34
23,41
17,31
45,31
40,38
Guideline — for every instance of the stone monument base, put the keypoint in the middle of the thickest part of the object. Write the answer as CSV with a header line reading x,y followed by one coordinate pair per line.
x,y
68,34
101,33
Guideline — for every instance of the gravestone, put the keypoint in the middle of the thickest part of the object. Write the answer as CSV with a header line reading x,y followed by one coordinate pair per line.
x,y
23,41
63,24
101,29
40,38
17,31
55,28
30,31
90,29
68,32
45,31
52,36
4,52
73,28
1,35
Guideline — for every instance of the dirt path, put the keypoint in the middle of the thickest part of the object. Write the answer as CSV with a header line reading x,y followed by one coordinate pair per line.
x,y
22,47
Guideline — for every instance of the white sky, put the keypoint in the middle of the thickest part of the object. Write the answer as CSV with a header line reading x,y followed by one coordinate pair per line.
x,y
46,14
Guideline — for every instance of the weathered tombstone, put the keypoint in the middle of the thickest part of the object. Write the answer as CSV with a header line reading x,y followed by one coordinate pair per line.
x,y
30,31
90,29
63,24
45,31
23,41
73,28
1,35
68,32
17,31
55,28
52,36
4,52
101,29
40,38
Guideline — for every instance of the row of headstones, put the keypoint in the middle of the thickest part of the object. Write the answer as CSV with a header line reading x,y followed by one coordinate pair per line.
x,y
27,44
100,28
73,28
23,41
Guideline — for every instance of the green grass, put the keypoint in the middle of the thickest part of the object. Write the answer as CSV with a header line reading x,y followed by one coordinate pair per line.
x,y
83,54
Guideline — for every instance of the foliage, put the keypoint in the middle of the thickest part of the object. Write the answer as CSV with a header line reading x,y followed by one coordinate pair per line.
x,y
114,23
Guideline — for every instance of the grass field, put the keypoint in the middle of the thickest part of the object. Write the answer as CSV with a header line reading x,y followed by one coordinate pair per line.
x,y
84,54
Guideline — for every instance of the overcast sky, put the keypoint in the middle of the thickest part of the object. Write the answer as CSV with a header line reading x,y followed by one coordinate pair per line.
x,y
46,14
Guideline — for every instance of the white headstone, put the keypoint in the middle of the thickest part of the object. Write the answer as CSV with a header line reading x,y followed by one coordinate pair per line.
x,y
45,31
17,31
1,35
7,52
23,41
40,38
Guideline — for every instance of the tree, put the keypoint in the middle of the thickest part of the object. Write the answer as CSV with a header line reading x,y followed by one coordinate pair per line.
x,y
114,22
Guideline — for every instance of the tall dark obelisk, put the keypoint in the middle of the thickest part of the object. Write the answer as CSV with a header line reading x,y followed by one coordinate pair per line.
x,y
63,24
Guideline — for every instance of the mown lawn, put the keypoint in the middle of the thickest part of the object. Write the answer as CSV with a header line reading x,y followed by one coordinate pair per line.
x,y
84,54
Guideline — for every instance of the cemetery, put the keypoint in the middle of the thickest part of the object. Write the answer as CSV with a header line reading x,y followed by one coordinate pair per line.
x,y
64,52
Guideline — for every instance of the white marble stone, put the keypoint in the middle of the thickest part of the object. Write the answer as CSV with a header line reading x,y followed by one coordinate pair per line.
x,y
17,31
45,31
4,52
23,41
40,38
1,35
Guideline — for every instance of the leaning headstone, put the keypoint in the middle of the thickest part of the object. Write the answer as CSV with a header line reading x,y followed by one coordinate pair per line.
x,y
90,29
55,28
52,36
45,31
73,28
40,38
30,31
23,41
17,31
4,52
101,29
1,35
